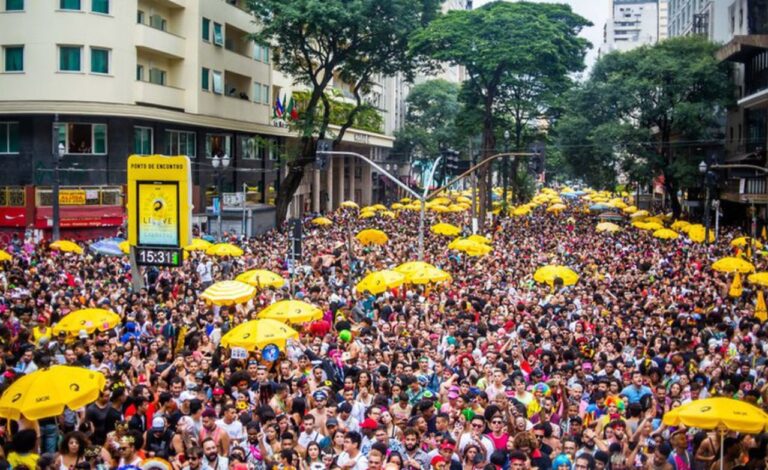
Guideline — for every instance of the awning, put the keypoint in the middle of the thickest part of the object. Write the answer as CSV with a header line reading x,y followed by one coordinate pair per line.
x,y
742,48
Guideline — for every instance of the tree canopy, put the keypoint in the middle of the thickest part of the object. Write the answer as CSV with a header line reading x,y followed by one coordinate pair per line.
x,y
318,41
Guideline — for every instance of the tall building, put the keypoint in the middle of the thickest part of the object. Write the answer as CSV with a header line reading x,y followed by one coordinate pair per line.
x,y
633,23
110,78
704,17
663,19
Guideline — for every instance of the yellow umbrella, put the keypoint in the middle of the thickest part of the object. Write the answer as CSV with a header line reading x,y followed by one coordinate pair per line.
x,y
679,225
440,209
45,392
198,244
607,227
443,201
228,293
448,230
731,264
479,239
412,266
548,274
372,237
291,311
379,207
368,209
638,214
379,281
665,234
427,276
256,334
261,278
224,249
745,241
397,206
464,199
696,233
760,279
67,247
88,319
367,214
648,225
521,211
556,208
389,214
629,210
322,221
719,413
5,256
405,200
349,205
470,247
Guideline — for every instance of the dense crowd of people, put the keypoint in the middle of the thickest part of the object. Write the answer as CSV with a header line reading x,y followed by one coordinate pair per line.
x,y
489,371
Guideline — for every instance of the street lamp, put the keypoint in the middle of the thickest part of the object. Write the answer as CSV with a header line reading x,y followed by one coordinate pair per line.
x,y
505,171
220,163
58,154
704,170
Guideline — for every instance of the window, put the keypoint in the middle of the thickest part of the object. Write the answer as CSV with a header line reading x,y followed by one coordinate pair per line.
x,y
256,92
140,73
157,76
158,22
100,6
69,58
265,55
272,149
250,147
14,58
218,35
256,52
218,85
140,17
142,140
88,139
205,80
206,29
9,137
69,4
14,5
265,94
217,144
180,143
99,60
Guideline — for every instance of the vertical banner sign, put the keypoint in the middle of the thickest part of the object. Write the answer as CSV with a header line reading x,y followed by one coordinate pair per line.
x,y
159,201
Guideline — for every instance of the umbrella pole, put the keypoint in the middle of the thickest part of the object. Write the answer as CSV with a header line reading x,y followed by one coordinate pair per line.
x,y
722,451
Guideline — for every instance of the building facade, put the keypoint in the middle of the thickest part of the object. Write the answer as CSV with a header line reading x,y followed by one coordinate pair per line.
x,y
709,18
663,20
633,23
110,78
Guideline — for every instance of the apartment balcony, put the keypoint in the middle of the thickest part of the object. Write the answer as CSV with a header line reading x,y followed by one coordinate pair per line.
x,y
160,42
745,190
171,4
148,93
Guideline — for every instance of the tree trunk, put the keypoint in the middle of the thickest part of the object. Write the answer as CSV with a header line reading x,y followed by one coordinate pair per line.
x,y
484,173
292,181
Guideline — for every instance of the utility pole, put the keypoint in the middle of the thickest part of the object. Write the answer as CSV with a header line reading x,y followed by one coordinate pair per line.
x,y
505,173
58,153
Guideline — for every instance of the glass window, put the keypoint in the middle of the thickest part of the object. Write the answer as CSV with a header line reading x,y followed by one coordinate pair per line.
x,y
180,143
205,79
140,73
142,140
206,29
69,58
217,144
257,92
265,94
158,22
99,60
218,85
69,4
9,137
79,138
14,5
14,58
256,52
100,6
140,17
218,34
265,55
157,76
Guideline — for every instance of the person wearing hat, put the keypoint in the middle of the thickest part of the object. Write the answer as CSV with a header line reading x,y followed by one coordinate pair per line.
x,y
158,439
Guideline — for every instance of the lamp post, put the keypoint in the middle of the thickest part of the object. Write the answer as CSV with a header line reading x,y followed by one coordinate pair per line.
x,y
704,170
220,163
58,154
505,171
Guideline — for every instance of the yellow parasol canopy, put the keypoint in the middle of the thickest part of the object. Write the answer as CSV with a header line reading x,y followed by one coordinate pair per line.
x,y
556,208
548,274
760,279
256,334
448,230
380,281
479,239
521,211
731,264
45,392
291,311
470,247
228,293
607,227
5,256
198,244
638,214
261,278
464,199
224,249
397,206
745,241
379,207
367,214
372,237
719,413
88,319
322,221
679,225
349,205
67,247
419,272
665,234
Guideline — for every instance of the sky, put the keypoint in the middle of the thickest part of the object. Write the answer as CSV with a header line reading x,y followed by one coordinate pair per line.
x,y
596,11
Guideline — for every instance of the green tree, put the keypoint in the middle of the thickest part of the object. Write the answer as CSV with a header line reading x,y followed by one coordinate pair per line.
x,y
317,41
430,119
640,111
503,44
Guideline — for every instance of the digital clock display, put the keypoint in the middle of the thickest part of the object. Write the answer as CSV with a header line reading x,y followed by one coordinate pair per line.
x,y
157,256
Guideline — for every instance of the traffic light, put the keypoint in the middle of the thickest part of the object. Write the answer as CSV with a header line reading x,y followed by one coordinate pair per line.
x,y
321,159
